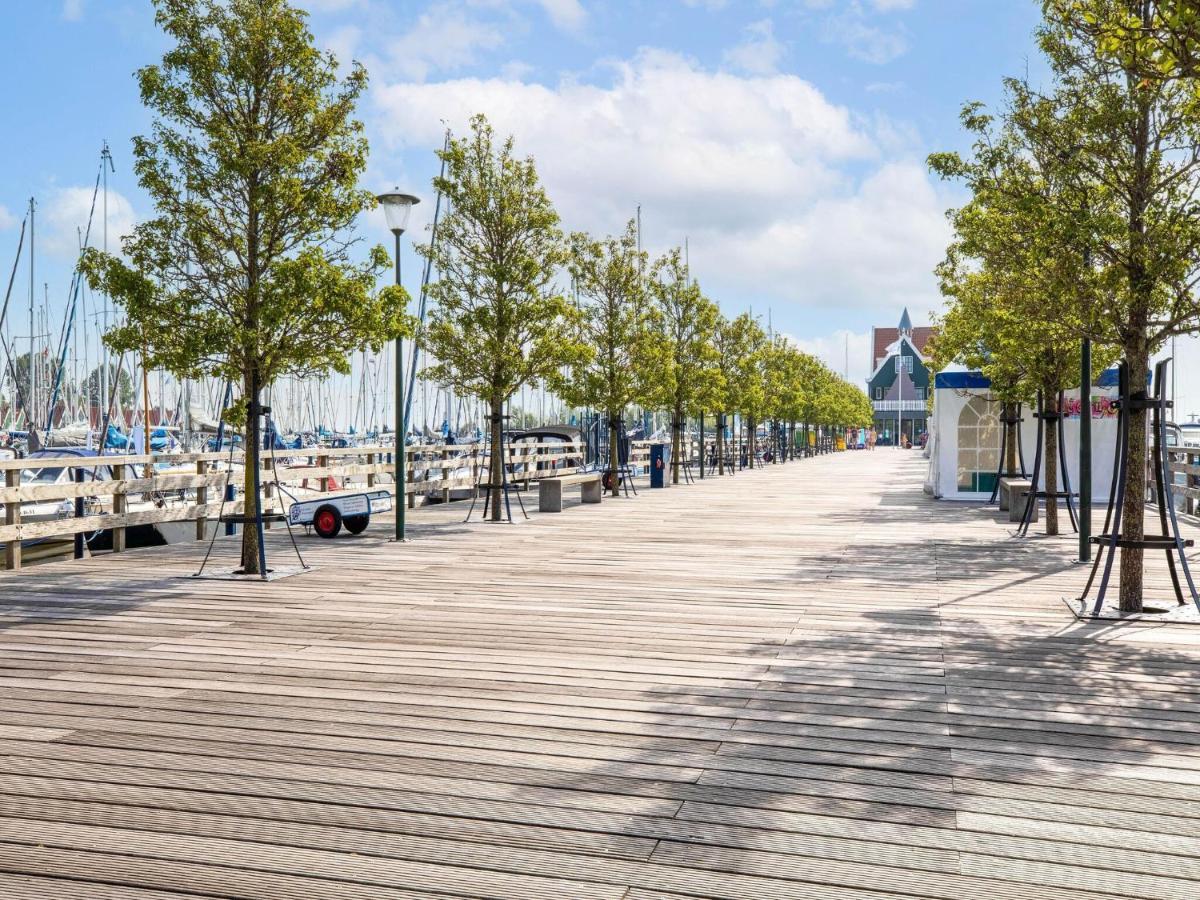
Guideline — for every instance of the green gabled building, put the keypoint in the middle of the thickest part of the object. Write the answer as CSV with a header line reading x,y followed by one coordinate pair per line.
x,y
900,381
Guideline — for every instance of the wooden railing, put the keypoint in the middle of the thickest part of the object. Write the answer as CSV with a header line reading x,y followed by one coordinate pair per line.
x,y
153,489
1185,477
157,488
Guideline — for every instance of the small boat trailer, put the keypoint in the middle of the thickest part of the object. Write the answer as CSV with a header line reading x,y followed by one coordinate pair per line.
x,y
327,515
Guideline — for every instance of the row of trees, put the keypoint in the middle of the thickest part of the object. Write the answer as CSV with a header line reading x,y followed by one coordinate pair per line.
x,y
247,271
1083,220
632,332
78,395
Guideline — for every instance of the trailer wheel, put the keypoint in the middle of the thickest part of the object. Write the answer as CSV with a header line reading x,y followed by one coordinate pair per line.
x,y
357,524
327,521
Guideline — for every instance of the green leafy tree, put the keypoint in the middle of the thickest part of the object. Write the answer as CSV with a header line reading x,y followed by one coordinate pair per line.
x,y
1156,40
1020,284
813,376
732,343
615,326
690,379
499,321
252,164
748,387
123,383
1133,143
32,407
786,385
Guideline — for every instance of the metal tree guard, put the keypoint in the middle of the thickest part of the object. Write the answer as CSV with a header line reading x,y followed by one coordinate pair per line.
x,y
1012,427
505,486
1034,495
1170,541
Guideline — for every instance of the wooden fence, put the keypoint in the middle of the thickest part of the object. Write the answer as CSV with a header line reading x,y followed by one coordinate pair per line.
x,y
1185,475
121,492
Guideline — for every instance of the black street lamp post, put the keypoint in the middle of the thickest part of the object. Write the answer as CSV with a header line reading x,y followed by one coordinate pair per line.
x,y
396,208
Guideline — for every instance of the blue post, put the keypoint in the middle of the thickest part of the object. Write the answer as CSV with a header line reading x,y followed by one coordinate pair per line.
x,y
658,455
230,497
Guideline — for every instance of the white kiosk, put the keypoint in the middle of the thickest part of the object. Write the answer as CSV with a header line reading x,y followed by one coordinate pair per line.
x,y
965,432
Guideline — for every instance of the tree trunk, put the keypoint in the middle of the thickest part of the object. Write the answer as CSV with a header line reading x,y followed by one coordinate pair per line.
x,y
1134,506
250,485
1050,454
751,441
496,461
1137,351
614,454
1012,434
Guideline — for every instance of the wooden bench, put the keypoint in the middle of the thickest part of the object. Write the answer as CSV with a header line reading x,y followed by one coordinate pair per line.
x,y
550,490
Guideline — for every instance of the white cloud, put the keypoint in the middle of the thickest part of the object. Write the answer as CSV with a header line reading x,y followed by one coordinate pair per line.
x,y
874,247
331,6
865,28
516,70
692,145
883,6
845,352
72,10
568,15
759,53
864,41
443,38
7,219
344,43
784,196
65,216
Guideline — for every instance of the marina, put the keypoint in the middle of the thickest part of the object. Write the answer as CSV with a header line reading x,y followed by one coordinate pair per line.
x,y
577,450
807,680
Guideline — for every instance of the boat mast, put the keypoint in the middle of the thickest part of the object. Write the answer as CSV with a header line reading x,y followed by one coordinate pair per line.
x,y
105,156
31,370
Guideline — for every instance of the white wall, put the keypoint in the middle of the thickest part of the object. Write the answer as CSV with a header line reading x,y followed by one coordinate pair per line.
x,y
948,405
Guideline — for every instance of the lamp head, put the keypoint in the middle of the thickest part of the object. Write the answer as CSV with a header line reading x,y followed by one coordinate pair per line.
x,y
396,209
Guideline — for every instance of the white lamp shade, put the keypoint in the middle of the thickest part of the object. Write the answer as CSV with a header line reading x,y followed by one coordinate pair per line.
x,y
396,209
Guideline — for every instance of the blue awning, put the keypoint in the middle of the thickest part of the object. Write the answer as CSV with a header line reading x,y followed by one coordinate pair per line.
x,y
962,380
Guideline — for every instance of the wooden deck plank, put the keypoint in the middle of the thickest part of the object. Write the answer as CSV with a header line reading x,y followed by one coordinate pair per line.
x,y
813,682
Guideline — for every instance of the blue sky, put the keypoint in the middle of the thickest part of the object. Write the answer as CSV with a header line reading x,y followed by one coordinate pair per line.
x,y
784,139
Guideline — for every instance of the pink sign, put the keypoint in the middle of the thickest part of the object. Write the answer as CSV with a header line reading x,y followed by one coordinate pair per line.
x,y
1102,408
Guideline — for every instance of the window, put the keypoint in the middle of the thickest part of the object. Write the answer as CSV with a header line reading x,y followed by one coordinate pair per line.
x,y
978,447
878,393
920,393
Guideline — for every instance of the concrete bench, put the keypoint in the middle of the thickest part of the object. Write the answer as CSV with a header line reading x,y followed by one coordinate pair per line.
x,y
1016,491
550,490
1008,485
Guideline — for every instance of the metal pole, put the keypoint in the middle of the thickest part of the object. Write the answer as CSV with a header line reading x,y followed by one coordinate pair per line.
x,y
1085,450
79,536
401,456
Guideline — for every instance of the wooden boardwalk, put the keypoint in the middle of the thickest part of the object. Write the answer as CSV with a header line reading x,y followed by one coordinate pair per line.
x,y
809,681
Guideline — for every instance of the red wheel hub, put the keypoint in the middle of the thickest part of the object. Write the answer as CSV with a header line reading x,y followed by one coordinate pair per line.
x,y
325,520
